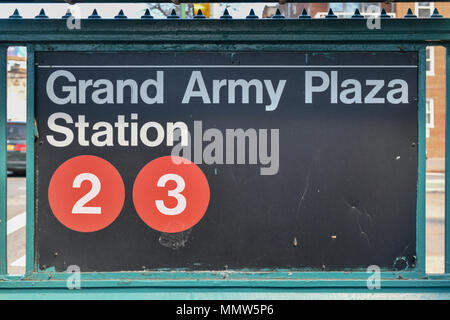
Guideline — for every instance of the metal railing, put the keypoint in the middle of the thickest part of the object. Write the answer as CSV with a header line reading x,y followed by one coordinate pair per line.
x,y
227,34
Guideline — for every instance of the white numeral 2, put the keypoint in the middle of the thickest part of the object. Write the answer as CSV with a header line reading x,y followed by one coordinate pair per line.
x,y
181,200
79,207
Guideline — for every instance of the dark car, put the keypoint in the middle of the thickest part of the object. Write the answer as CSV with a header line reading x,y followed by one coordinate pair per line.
x,y
16,146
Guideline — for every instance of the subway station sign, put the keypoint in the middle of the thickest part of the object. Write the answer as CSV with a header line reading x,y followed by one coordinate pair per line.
x,y
235,160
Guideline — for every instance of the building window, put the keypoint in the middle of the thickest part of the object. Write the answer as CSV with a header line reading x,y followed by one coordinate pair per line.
x,y
344,7
424,9
370,8
429,115
430,61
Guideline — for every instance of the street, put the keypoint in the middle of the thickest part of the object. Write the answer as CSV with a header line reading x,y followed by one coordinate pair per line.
x,y
16,224
434,241
435,203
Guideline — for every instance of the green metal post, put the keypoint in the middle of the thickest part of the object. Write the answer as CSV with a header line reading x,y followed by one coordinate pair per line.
x,y
3,213
421,175
30,162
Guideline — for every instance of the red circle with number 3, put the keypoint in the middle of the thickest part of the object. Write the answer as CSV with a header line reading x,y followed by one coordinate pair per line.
x,y
86,193
171,194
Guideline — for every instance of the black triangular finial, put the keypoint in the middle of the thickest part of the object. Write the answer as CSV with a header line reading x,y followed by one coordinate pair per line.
x,y
94,15
304,15
278,15
384,15
357,15
41,15
409,14
331,15
436,14
15,15
226,15
252,15
67,15
199,15
173,15
147,14
121,15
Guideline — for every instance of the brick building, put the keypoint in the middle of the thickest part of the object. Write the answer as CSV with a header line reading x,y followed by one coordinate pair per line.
x,y
435,131
435,86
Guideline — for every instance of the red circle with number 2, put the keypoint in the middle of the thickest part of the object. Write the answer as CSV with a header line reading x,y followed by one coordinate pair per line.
x,y
171,194
86,193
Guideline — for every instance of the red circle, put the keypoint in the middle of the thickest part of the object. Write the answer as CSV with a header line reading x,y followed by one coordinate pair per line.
x,y
76,202
146,194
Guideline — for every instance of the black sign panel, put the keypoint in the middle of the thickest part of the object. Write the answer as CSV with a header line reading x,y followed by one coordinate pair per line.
x,y
309,160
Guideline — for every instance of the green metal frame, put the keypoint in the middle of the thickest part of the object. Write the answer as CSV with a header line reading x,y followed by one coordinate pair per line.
x,y
223,35
421,174
417,272
3,179
30,209
225,31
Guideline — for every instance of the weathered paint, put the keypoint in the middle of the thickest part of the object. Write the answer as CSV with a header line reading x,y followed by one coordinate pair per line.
x,y
225,32
30,162
421,178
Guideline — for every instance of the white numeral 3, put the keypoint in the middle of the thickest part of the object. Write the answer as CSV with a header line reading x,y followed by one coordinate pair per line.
x,y
181,200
